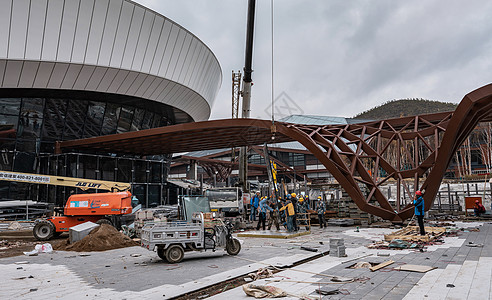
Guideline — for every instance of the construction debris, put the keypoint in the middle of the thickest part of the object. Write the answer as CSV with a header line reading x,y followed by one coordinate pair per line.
x,y
381,265
260,274
415,268
102,238
411,233
263,291
40,248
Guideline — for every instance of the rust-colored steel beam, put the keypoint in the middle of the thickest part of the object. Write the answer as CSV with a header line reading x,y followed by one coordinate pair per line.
x,y
361,156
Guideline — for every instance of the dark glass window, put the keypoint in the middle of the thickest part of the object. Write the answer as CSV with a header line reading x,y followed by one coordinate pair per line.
x,y
6,159
138,117
72,170
110,119
54,119
31,118
8,131
154,195
28,145
89,163
124,173
24,162
155,172
138,190
10,106
147,121
74,125
107,165
95,116
140,171
126,117
156,122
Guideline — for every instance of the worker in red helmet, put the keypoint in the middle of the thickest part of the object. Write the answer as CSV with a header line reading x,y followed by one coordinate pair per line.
x,y
418,202
478,208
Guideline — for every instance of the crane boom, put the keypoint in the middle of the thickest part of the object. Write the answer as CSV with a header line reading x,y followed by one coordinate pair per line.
x,y
81,183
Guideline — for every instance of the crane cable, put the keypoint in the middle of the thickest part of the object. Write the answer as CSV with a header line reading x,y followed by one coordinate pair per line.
x,y
273,106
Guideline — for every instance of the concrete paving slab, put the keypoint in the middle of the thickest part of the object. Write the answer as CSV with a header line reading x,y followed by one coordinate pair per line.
x,y
282,234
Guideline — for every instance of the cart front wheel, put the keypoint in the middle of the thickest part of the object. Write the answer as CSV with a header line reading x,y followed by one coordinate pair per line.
x,y
174,254
233,247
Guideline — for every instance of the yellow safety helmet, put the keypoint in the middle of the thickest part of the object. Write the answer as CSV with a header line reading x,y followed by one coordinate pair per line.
x,y
301,199
319,197
293,195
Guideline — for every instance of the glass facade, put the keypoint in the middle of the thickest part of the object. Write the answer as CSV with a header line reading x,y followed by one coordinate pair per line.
x,y
140,173
31,121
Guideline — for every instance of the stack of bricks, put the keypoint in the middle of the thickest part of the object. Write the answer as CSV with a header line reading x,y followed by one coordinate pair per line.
x,y
337,247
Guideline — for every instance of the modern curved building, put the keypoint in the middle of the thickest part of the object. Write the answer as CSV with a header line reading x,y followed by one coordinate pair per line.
x,y
73,69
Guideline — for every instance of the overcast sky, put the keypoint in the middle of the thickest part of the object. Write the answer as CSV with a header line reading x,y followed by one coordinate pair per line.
x,y
340,57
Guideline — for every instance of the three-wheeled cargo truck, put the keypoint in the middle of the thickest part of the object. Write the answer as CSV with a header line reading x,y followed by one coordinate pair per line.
x,y
172,239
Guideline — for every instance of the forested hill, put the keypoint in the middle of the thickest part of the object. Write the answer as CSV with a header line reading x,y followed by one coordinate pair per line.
x,y
405,107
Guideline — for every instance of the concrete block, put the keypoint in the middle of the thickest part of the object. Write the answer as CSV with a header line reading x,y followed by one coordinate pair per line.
x,y
76,233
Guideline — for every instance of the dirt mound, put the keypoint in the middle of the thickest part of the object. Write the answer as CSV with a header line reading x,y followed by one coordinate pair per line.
x,y
102,238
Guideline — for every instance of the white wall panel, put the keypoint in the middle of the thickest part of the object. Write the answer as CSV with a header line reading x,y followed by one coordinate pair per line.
x,y
149,79
67,31
153,86
13,68
193,62
104,83
96,31
43,76
136,84
161,46
187,62
4,26
35,31
166,58
18,29
29,71
121,37
148,58
117,81
183,55
111,46
57,76
143,40
96,79
109,34
84,20
126,83
132,39
51,34
71,76
175,54
84,77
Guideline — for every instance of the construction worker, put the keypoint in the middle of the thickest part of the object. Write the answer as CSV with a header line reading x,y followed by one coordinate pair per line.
x,y
478,208
274,216
262,210
254,202
321,208
418,202
293,199
289,208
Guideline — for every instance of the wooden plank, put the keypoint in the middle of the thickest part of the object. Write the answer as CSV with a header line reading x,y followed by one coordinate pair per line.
x,y
415,268
381,265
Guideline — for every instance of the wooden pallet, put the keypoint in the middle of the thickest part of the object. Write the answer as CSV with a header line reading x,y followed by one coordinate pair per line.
x,y
412,233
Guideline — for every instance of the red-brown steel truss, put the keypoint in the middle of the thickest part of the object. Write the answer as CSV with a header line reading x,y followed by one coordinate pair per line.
x,y
413,151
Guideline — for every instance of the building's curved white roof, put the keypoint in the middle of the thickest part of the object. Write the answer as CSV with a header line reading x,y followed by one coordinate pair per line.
x,y
109,46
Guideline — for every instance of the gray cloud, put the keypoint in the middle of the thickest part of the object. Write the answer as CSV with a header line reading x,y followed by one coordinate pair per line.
x,y
343,57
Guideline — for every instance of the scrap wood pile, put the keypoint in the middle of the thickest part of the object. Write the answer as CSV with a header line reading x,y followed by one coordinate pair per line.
x,y
410,238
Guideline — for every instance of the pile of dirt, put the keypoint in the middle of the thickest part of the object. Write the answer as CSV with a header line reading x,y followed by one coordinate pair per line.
x,y
102,238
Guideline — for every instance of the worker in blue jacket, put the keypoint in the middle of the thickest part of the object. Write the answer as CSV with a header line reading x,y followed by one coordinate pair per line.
x,y
262,212
255,202
418,202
